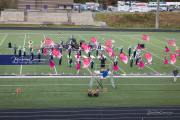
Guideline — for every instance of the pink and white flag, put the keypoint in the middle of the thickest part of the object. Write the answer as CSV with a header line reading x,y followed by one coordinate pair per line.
x,y
148,57
85,47
172,42
86,62
56,53
123,58
48,42
173,58
110,51
145,37
94,40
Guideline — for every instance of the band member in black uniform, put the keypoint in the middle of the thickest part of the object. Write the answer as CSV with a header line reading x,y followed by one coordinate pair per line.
x,y
129,51
19,52
60,60
103,61
39,56
9,45
32,55
15,49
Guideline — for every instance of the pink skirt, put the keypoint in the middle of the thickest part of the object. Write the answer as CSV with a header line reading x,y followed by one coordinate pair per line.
x,y
78,66
115,68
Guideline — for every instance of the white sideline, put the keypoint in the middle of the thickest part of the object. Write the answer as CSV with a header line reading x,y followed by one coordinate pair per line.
x,y
76,77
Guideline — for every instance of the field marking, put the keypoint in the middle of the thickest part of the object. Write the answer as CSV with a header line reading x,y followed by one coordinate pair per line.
x,y
44,35
3,39
77,77
25,36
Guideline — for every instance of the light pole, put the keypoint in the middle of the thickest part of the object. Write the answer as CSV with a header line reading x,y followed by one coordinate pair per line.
x,y
157,15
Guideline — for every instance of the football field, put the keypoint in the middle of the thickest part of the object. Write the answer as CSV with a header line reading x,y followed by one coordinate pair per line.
x,y
72,92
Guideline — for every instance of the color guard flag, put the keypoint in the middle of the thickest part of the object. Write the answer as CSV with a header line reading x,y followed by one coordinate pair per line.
x,y
108,43
172,42
85,47
148,57
173,58
123,58
94,40
145,37
56,53
86,62
110,51
48,42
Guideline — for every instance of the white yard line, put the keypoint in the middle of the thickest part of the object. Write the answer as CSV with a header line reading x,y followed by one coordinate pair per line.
x,y
4,38
25,36
44,35
77,77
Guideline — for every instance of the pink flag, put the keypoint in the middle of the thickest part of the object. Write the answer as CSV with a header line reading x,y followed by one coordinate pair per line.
x,y
56,53
148,57
141,64
178,52
48,42
94,40
145,37
110,51
85,47
108,43
51,64
172,42
86,62
123,58
173,58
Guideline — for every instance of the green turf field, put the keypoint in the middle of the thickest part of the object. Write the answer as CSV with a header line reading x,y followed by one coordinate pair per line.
x,y
41,93
44,93
122,39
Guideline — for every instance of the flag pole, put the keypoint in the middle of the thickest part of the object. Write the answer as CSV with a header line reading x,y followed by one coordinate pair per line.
x,y
157,15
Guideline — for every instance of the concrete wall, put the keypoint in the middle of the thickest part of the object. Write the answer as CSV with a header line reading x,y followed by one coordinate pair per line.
x,y
42,17
36,17
16,16
84,18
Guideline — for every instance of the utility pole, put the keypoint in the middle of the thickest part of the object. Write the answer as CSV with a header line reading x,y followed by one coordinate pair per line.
x,y
157,15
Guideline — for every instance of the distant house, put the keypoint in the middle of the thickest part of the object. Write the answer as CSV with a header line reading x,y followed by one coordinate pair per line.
x,y
45,5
